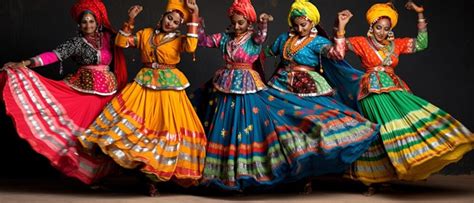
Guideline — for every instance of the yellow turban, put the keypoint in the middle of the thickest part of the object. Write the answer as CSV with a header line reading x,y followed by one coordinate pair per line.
x,y
379,10
180,6
304,8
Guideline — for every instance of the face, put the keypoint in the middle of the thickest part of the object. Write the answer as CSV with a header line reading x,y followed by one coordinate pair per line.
x,y
302,26
381,29
171,21
88,24
239,24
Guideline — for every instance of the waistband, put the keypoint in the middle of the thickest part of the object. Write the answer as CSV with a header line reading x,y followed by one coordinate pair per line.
x,y
97,67
155,65
239,65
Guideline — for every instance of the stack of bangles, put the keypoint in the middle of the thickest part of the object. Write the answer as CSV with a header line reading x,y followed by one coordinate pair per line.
x,y
127,28
192,29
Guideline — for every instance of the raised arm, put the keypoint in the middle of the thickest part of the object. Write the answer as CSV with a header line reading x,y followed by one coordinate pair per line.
x,y
125,38
338,49
422,37
191,40
261,35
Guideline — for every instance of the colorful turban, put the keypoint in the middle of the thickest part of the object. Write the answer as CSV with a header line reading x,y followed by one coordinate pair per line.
x,y
179,5
377,11
96,7
304,8
245,8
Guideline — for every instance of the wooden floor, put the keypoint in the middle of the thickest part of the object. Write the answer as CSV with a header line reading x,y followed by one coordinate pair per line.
x,y
437,189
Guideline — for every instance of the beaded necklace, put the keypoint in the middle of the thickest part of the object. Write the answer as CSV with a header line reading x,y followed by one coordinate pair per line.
x,y
94,40
291,47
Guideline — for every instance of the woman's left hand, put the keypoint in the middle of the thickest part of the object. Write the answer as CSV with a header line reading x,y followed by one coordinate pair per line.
x,y
412,6
265,18
193,7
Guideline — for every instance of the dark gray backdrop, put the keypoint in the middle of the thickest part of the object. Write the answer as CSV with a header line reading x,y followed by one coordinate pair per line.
x,y
442,74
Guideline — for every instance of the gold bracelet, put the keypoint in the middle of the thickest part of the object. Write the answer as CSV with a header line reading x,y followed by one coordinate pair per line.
x,y
340,33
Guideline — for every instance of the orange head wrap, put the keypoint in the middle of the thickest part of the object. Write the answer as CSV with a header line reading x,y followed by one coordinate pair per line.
x,y
245,8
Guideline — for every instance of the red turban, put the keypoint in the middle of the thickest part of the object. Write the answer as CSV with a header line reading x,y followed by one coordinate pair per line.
x,y
96,7
245,8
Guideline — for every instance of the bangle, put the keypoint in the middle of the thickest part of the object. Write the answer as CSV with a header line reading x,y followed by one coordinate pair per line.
x,y
192,30
194,35
422,10
340,33
192,24
421,20
124,33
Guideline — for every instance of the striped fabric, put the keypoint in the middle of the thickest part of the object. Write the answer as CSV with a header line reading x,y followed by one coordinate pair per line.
x,y
49,115
417,139
157,131
268,138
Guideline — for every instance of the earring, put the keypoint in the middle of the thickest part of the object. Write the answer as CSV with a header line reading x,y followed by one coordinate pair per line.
x,y
250,28
314,32
78,30
370,33
390,36
292,32
228,29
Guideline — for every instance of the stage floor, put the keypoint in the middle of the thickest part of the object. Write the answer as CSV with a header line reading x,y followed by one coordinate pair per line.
x,y
328,189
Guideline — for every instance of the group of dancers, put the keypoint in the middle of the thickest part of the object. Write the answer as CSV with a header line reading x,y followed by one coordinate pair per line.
x,y
316,115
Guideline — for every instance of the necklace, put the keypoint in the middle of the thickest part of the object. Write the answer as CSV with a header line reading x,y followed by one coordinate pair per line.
x,y
95,40
293,45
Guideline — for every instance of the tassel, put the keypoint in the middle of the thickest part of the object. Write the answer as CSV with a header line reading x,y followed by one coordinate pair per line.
x,y
320,64
61,68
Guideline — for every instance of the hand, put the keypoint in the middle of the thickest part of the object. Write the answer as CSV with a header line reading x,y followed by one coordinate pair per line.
x,y
265,18
134,11
193,7
343,17
14,65
413,7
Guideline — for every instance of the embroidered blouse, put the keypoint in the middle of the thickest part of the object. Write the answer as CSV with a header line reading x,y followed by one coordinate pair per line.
x,y
379,63
94,76
237,75
160,53
300,58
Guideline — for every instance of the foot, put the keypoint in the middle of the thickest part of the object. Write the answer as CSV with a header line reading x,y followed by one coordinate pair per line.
x,y
99,187
308,188
370,191
239,193
386,187
152,190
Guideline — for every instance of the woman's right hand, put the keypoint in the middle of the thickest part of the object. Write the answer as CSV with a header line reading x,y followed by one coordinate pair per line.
x,y
14,65
134,11
344,17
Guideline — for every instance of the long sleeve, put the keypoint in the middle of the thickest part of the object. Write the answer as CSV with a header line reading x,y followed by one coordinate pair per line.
x,y
261,35
189,44
335,51
44,59
66,49
329,50
209,41
275,48
412,45
124,40
421,40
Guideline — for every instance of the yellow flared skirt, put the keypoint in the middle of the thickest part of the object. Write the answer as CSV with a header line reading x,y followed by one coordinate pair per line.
x,y
155,130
